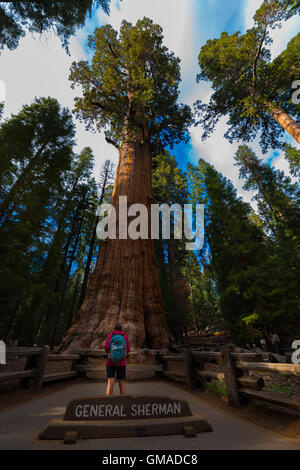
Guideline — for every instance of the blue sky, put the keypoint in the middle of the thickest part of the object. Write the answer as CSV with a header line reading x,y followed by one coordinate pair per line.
x,y
208,19
40,67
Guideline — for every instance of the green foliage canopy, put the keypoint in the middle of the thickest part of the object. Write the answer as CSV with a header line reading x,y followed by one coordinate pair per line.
x,y
132,79
246,82
37,17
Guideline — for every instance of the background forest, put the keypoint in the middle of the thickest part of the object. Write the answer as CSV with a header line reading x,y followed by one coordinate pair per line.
x,y
245,279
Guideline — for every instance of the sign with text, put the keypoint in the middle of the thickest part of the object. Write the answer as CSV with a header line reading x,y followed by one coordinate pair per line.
x,y
125,407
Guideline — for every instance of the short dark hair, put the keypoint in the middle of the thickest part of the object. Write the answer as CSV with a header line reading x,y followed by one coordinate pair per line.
x,y
118,326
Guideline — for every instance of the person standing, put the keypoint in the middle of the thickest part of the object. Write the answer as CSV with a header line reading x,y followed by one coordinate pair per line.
x,y
117,346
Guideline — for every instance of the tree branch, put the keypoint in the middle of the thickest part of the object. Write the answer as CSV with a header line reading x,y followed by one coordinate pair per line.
x,y
99,105
112,142
258,54
111,49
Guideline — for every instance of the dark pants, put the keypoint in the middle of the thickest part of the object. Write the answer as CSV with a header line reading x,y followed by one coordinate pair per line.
x,y
118,372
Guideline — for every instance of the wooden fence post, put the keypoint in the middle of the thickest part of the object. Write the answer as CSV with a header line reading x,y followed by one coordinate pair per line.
x,y
81,361
230,373
40,368
189,368
199,364
29,365
158,361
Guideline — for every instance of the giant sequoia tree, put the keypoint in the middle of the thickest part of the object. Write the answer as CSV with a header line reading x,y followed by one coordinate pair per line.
x,y
254,92
130,89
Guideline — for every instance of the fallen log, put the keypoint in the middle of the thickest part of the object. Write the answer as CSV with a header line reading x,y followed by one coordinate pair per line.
x,y
268,367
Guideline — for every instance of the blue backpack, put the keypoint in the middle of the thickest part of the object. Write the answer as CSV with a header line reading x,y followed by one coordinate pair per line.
x,y
117,348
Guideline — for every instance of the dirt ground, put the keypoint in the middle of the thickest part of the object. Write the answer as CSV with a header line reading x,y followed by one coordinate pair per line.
x,y
13,393
271,418
283,422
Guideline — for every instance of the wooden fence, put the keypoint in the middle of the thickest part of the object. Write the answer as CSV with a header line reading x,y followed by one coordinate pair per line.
x,y
37,359
189,366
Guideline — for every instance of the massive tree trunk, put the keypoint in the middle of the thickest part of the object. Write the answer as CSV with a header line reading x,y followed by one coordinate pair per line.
x,y
288,124
124,286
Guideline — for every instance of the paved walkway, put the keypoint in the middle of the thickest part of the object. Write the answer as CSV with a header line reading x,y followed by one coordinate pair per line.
x,y
20,426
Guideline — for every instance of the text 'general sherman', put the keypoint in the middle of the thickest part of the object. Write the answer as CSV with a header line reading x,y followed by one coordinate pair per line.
x,y
136,410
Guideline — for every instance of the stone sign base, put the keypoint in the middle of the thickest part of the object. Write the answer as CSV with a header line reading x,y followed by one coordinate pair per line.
x,y
125,416
57,428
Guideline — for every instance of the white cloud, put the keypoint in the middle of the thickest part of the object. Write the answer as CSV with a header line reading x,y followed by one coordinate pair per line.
x,y
2,91
174,16
281,163
281,36
176,19
220,152
250,8
217,150
41,68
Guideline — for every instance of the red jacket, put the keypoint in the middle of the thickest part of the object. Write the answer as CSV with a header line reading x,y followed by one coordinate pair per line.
x,y
107,345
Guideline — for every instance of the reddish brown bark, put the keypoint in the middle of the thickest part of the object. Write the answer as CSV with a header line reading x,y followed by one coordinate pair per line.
x,y
288,124
124,286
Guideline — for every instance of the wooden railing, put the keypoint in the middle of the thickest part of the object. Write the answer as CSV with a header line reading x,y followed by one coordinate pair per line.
x,y
188,366
34,373
37,359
